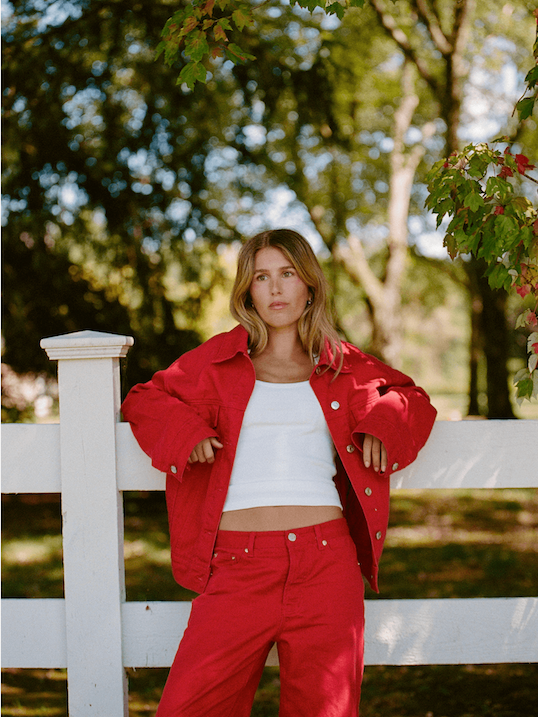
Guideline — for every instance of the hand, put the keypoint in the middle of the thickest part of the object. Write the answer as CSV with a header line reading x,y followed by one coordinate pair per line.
x,y
374,453
204,452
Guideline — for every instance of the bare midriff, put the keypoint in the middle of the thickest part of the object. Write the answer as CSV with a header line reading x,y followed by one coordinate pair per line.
x,y
278,517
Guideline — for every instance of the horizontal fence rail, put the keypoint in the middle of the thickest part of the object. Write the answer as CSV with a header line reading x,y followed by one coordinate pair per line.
x,y
459,454
90,459
398,632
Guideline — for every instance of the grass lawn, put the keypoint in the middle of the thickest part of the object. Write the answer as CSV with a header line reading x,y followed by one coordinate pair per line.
x,y
440,544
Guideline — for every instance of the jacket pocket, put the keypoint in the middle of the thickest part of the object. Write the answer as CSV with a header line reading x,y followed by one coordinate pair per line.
x,y
361,403
208,412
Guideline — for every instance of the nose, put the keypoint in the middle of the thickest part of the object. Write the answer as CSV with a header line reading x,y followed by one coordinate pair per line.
x,y
276,286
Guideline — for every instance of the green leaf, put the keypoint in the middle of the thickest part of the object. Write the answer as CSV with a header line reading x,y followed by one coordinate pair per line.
x,y
525,107
505,228
499,277
335,9
237,55
196,47
161,47
532,76
191,73
524,388
241,18
451,246
474,201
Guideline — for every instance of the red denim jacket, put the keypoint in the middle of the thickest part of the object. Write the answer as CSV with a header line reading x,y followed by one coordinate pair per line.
x,y
205,393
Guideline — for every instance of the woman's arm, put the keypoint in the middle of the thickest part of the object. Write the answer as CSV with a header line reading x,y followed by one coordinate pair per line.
x,y
165,421
391,429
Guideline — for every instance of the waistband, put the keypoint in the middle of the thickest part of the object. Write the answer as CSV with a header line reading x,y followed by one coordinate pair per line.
x,y
274,539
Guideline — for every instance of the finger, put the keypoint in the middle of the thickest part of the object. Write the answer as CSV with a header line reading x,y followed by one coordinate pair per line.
x,y
384,459
376,453
367,450
198,453
215,442
207,451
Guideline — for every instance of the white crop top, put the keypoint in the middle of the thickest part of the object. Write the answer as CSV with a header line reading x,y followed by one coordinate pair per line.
x,y
285,454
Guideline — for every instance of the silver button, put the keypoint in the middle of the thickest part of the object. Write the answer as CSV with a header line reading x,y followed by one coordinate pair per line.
x,y
335,405
378,535
173,469
350,448
395,466
368,491
324,542
246,550
292,537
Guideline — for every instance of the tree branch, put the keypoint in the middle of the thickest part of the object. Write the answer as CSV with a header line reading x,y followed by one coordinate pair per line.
x,y
431,20
401,39
354,259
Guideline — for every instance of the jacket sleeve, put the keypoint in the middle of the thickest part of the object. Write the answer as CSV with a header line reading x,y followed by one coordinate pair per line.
x,y
401,416
166,427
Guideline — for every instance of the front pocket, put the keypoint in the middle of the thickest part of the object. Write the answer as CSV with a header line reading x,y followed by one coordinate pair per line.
x,y
362,404
209,412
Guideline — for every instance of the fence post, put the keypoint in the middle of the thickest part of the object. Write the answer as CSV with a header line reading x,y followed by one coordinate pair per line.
x,y
92,519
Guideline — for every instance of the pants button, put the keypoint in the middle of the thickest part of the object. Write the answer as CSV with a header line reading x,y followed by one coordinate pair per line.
x,y
292,537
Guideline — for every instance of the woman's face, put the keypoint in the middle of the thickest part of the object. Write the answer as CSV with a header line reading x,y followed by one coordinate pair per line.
x,y
278,293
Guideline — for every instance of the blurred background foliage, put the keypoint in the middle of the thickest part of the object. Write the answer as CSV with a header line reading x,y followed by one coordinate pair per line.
x,y
125,196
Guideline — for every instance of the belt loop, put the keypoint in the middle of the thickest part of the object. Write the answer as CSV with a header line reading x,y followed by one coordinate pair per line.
x,y
250,549
321,543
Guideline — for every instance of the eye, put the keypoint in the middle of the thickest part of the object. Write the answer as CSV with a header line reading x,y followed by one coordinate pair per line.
x,y
288,272
261,277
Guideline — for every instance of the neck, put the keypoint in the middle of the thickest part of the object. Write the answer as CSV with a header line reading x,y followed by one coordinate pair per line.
x,y
284,344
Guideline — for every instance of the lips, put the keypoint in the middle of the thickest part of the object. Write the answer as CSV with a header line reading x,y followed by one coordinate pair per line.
x,y
277,305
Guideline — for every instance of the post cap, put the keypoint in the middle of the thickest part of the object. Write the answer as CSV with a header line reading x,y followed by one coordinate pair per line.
x,y
86,344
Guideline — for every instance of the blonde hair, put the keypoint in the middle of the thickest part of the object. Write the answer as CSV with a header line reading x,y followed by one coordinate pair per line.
x,y
315,327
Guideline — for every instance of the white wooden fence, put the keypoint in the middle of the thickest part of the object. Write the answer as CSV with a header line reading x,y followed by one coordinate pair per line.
x,y
90,458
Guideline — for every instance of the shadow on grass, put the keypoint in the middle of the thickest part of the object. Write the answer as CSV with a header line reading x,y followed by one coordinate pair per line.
x,y
418,691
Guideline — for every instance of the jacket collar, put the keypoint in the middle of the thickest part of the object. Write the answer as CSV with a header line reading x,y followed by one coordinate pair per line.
x,y
236,341
232,343
327,357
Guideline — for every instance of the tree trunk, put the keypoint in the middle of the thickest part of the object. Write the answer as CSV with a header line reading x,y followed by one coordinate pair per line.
x,y
475,349
489,313
385,295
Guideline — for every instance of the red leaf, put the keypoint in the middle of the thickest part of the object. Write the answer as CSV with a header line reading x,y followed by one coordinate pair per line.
x,y
505,172
499,210
523,163
190,24
523,290
208,8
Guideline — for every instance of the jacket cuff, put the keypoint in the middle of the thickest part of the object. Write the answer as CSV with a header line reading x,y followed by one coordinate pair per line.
x,y
177,461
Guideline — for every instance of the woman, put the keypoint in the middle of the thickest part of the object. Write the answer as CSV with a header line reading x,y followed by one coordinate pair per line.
x,y
278,441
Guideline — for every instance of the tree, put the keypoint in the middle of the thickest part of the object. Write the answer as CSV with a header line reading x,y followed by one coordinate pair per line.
x,y
106,191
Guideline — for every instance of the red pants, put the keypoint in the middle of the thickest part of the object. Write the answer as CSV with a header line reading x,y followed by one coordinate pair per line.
x,y
301,589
